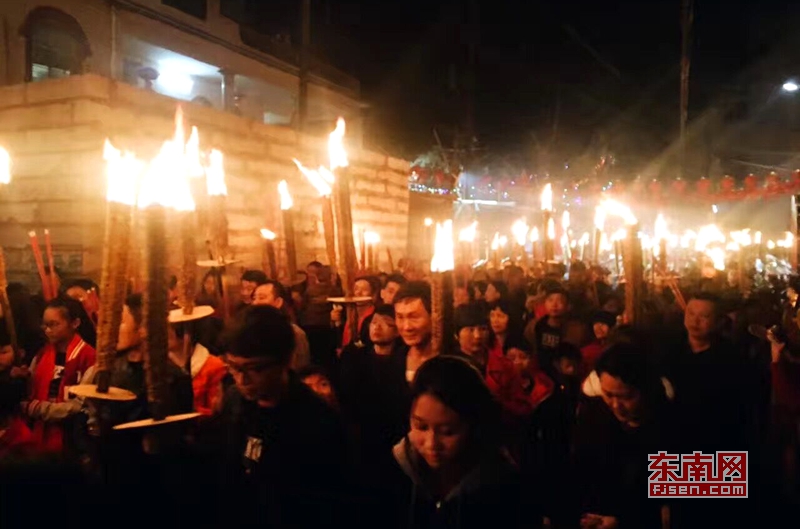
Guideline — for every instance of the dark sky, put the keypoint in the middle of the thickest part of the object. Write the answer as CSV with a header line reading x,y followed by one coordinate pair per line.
x,y
560,77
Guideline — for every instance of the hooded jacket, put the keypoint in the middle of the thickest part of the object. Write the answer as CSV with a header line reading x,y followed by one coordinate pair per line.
x,y
490,495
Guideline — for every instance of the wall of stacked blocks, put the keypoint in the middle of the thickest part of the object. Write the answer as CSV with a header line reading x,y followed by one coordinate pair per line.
x,y
55,133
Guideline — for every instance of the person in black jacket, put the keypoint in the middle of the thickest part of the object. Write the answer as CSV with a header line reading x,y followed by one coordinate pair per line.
x,y
284,455
625,416
459,476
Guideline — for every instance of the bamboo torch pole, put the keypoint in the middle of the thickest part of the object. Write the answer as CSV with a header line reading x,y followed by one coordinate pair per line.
x,y
271,264
634,275
121,174
344,220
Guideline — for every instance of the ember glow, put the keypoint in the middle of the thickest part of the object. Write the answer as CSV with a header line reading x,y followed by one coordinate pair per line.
x,y
370,237
443,257
267,234
194,169
286,198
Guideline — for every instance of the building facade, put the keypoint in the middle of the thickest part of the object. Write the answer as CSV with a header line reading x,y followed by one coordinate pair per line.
x,y
187,50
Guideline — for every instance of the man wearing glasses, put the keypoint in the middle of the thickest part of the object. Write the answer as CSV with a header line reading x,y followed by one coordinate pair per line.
x,y
285,449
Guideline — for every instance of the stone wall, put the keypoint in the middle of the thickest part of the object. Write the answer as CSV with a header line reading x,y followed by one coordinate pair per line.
x,y
55,132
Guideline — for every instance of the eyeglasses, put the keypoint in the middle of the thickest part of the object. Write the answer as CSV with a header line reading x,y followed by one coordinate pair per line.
x,y
252,368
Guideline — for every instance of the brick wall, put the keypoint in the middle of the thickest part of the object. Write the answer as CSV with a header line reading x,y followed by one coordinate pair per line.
x,y
55,131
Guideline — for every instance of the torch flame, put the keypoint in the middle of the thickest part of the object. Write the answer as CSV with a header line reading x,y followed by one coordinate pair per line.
x,y
717,256
499,241
122,175
336,151
551,230
286,198
520,231
661,231
194,169
599,218
535,234
215,175
757,237
428,222
370,237
584,238
443,259
165,183
565,221
619,235
468,234
547,198
5,166
771,245
320,184
618,209
605,244
267,234
708,234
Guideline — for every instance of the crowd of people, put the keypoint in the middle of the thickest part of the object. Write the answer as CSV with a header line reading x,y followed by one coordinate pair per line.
x,y
542,414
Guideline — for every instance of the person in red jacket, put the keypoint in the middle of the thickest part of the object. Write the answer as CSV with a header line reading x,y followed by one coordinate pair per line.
x,y
501,378
602,323
188,353
65,361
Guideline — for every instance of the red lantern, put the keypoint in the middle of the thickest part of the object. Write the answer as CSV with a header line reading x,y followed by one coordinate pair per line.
x,y
638,186
679,186
773,183
751,183
726,184
655,189
703,186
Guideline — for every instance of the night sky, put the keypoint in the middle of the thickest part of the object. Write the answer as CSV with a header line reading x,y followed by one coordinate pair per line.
x,y
552,80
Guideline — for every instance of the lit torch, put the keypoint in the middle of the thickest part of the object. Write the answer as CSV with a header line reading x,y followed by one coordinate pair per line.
x,y
466,239
322,180
371,240
270,264
165,186
547,220
442,266
599,224
122,176
288,229
565,239
520,232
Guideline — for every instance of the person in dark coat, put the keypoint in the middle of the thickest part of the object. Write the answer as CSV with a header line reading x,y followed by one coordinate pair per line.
x,y
626,414
458,474
283,448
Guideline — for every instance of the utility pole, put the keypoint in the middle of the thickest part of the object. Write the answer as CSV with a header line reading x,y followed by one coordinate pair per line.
x,y
687,19
302,100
